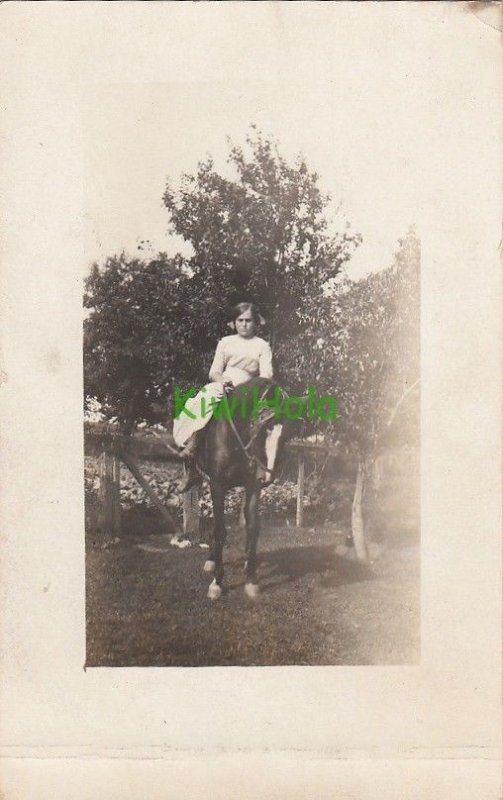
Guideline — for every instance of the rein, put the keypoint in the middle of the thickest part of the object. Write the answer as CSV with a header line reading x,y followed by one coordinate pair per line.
x,y
252,459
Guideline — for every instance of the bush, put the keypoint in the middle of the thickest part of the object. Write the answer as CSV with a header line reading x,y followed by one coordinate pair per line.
x,y
278,498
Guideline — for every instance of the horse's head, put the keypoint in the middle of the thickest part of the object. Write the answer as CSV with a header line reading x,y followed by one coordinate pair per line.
x,y
269,430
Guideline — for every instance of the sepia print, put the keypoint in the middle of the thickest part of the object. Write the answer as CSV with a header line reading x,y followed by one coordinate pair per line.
x,y
251,392
250,400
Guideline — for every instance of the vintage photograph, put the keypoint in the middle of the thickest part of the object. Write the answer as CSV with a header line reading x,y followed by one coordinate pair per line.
x,y
252,381
250,400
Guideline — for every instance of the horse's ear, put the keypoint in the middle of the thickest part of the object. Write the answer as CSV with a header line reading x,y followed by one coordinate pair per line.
x,y
231,325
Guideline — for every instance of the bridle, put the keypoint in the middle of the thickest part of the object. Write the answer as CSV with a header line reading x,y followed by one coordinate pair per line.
x,y
254,459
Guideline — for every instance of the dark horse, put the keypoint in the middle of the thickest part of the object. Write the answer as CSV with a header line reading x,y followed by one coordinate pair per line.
x,y
241,449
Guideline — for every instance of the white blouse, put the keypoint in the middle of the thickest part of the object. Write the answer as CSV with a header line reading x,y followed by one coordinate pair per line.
x,y
240,359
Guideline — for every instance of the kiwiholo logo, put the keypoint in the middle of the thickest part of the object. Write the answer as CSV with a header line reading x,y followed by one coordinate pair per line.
x,y
249,404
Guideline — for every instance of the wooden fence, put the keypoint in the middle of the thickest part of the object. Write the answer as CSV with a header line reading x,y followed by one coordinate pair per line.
x,y
115,451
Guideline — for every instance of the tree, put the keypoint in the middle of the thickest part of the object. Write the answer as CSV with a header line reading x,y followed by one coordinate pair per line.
x,y
364,341
262,236
134,345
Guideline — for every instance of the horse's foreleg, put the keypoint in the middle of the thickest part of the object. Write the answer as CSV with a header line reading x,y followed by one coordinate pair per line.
x,y
252,534
218,541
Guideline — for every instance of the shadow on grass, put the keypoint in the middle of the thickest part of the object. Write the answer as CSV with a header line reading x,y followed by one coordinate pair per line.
x,y
292,563
145,521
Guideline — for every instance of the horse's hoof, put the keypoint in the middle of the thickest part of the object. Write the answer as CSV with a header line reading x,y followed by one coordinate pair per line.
x,y
252,590
214,590
209,566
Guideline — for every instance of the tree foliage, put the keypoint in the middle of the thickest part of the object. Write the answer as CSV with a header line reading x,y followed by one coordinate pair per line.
x,y
260,235
132,336
364,341
263,236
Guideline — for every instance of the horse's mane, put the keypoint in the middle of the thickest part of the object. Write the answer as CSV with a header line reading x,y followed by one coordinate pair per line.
x,y
250,391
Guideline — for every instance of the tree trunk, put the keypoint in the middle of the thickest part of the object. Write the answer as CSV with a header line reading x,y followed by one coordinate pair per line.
x,y
357,519
299,518
272,332
377,473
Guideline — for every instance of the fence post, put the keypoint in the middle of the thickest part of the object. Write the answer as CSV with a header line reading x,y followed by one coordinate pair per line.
x,y
191,516
242,515
300,490
109,491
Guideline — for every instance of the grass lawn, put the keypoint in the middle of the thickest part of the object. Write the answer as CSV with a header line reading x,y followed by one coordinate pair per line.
x,y
147,604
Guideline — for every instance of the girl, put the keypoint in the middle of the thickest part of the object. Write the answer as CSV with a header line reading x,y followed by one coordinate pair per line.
x,y
238,358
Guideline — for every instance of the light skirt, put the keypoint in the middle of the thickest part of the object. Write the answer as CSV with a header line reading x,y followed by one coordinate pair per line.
x,y
201,405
